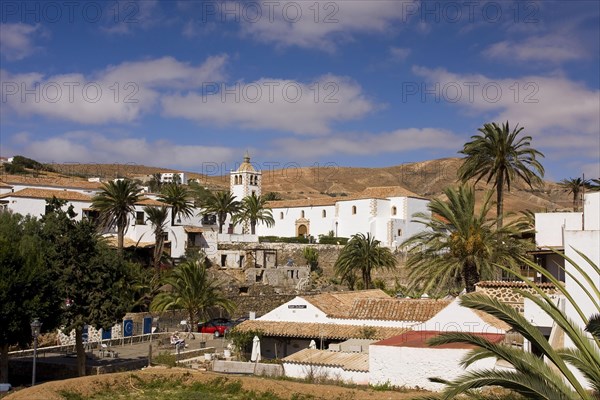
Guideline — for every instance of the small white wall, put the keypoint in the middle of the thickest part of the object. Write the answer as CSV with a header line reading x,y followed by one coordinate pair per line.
x,y
37,207
549,227
591,216
300,371
536,315
456,318
411,367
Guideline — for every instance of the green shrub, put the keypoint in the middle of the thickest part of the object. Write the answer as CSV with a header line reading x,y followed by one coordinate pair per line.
x,y
279,239
165,358
333,240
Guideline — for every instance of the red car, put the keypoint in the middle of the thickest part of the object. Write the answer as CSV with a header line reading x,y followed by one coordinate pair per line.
x,y
216,326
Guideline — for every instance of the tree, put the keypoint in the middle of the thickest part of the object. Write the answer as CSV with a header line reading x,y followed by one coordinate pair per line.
x,y
595,185
272,196
459,246
575,186
116,201
222,204
253,209
502,156
179,198
27,287
363,254
155,183
157,216
550,376
311,255
192,289
95,280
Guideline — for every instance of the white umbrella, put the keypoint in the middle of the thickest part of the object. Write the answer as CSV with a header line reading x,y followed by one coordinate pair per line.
x,y
255,357
312,345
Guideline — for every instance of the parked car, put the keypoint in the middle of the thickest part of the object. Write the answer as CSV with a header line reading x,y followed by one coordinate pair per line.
x,y
217,326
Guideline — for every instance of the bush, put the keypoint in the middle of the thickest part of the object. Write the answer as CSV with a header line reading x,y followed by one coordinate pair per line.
x,y
279,239
165,358
333,240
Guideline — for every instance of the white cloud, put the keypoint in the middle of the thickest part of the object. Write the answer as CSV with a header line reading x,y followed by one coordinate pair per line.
x,y
363,144
559,113
125,17
318,24
94,147
299,107
550,48
400,53
119,93
17,40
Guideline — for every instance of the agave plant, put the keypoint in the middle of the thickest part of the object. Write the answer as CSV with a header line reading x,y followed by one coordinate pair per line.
x,y
551,377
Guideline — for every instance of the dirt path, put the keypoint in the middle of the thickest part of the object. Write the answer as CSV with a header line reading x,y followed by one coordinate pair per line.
x,y
89,385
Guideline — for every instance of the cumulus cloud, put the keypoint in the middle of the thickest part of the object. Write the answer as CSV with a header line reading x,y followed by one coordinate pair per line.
x,y
363,144
550,48
94,147
399,53
17,40
558,112
119,93
317,24
299,107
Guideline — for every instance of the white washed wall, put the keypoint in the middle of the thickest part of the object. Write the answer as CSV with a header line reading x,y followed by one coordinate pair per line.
x,y
549,227
325,372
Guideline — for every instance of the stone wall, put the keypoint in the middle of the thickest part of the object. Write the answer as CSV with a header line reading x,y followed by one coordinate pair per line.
x,y
506,291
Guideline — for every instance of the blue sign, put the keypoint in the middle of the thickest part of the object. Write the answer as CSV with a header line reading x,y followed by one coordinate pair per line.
x,y
84,334
128,327
106,334
147,325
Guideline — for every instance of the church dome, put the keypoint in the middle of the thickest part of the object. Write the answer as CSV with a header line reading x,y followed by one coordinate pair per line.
x,y
246,166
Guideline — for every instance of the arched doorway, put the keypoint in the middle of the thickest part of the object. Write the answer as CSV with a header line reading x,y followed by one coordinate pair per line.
x,y
302,230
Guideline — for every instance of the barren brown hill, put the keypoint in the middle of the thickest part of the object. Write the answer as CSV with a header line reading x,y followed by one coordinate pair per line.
x,y
426,179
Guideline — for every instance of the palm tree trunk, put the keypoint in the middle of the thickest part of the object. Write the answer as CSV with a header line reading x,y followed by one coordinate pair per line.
x,y
253,227
575,200
120,238
4,363
499,200
471,276
80,351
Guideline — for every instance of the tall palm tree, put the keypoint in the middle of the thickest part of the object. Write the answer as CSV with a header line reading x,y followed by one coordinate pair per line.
x,y
253,210
179,198
193,289
116,201
459,245
575,186
595,185
502,156
363,254
157,216
222,204
549,377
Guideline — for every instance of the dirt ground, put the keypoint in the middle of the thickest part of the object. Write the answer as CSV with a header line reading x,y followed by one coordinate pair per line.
x,y
89,385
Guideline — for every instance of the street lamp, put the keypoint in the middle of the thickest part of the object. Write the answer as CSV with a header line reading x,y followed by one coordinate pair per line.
x,y
35,332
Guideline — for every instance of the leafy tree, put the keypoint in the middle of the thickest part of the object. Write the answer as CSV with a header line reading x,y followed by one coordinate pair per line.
x,y
222,204
575,186
199,193
116,202
459,245
501,156
253,209
157,216
27,285
549,377
193,289
272,196
363,254
179,198
95,279
311,255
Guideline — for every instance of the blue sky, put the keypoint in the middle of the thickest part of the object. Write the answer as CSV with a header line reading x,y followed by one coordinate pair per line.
x,y
360,83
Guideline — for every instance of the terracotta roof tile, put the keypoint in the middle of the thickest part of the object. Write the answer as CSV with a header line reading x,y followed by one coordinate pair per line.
x,y
346,361
336,303
419,339
52,181
315,330
151,202
320,201
48,194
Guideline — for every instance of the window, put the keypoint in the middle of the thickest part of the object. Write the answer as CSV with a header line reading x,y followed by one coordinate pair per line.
x,y
353,210
140,218
281,215
302,214
394,210
399,232
323,213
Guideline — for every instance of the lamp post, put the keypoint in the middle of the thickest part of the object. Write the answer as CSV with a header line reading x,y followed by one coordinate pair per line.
x,y
35,332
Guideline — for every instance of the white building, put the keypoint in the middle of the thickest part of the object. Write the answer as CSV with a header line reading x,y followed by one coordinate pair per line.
x,y
173,177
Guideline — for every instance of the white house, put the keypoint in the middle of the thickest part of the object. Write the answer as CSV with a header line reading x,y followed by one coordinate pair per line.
x,y
170,177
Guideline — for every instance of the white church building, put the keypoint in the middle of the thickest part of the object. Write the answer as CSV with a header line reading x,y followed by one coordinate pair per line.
x,y
384,212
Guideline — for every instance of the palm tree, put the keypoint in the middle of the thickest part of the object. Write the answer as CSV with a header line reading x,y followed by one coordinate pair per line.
x,y
193,289
253,210
500,155
575,186
549,377
179,198
158,218
222,204
363,253
458,246
595,185
116,201
155,183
